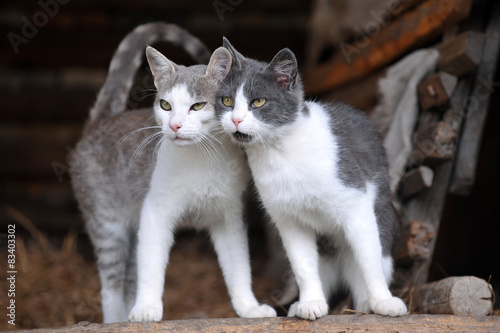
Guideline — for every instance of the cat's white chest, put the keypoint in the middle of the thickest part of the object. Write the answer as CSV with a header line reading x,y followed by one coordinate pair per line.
x,y
199,181
299,175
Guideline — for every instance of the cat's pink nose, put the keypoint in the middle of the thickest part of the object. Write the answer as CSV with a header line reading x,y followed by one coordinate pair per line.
x,y
237,121
175,127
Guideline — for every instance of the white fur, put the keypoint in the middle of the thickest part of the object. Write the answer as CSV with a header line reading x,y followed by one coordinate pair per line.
x,y
187,182
295,172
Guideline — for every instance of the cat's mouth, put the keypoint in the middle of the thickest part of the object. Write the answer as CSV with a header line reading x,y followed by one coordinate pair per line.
x,y
242,137
182,141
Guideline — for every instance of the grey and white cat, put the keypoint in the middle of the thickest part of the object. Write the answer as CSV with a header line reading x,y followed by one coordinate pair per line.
x,y
116,176
321,173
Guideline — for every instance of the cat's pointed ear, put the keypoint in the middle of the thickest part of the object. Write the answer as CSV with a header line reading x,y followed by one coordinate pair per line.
x,y
159,64
284,67
238,58
219,65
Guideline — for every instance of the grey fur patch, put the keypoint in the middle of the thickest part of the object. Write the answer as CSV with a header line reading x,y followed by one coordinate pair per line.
x,y
282,105
362,159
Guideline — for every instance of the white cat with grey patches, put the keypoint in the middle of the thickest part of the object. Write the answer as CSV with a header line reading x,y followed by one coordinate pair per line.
x,y
321,173
195,179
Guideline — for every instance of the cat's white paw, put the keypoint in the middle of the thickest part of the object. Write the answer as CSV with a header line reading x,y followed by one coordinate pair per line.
x,y
259,311
146,313
311,310
388,307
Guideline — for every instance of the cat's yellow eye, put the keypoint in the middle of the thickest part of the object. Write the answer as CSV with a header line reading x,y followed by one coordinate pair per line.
x,y
257,103
198,106
165,105
227,101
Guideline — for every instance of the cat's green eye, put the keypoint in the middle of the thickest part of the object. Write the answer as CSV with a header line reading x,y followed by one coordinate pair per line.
x,y
257,103
227,101
165,105
198,106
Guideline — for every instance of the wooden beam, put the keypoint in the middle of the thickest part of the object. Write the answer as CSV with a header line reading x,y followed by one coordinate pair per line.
x,y
337,323
470,141
367,54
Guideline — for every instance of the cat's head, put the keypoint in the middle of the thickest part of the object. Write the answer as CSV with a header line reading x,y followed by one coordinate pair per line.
x,y
185,99
258,101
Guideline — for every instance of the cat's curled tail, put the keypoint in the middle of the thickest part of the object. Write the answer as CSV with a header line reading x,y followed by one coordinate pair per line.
x,y
113,96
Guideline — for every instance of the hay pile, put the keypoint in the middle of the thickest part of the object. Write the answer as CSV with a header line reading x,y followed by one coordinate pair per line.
x,y
56,286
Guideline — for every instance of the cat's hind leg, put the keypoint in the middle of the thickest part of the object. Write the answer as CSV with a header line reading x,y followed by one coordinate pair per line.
x,y
111,246
362,234
130,289
353,278
329,272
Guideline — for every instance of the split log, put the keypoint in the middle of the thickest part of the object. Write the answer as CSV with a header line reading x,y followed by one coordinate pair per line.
x,y
392,41
462,54
340,323
465,295
470,140
416,180
434,143
436,90
417,237
427,206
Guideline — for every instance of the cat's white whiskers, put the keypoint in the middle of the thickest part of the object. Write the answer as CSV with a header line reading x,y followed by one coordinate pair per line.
x,y
142,145
158,145
149,119
207,152
213,152
126,136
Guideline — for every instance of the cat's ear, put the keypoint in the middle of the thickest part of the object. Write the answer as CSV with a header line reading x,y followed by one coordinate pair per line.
x,y
159,64
219,65
238,58
284,68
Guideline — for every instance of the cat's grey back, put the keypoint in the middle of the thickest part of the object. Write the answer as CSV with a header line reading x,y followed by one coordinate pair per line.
x,y
361,155
362,159
109,169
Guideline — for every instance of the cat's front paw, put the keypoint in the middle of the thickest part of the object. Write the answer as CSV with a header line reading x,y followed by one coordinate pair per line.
x,y
259,311
311,310
388,307
146,313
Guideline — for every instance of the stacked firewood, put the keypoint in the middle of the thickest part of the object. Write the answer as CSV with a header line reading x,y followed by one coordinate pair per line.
x,y
451,106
